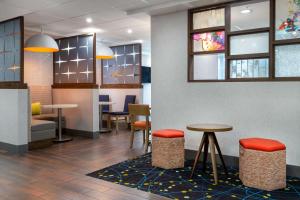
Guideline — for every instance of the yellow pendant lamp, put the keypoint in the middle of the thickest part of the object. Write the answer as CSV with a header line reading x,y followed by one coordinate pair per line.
x,y
104,52
41,43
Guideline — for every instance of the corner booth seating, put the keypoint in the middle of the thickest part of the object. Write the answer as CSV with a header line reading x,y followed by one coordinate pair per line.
x,y
42,133
42,95
43,121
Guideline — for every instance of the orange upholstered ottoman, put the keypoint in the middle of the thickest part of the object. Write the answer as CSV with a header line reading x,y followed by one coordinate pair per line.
x,y
262,164
168,149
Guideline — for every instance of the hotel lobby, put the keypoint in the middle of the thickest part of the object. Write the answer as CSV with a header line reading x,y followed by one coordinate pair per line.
x,y
149,99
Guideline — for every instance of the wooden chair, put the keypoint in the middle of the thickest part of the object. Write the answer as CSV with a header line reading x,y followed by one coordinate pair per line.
x,y
136,110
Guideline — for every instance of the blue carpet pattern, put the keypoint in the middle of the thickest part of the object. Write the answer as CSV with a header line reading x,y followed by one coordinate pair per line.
x,y
176,184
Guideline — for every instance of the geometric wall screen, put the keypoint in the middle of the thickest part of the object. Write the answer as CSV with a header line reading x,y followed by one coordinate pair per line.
x,y
124,70
10,50
74,63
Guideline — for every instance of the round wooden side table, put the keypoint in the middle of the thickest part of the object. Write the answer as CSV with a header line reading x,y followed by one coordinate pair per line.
x,y
209,139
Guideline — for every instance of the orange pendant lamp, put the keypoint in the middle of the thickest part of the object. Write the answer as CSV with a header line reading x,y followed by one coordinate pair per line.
x,y
41,43
104,52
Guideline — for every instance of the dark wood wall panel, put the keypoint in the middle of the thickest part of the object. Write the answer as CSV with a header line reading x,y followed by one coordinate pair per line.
x,y
124,70
74,64
11,53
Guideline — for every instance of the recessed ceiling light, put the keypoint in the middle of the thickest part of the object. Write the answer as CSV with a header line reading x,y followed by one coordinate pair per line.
x,y
89,20
138,41
92,30
129,31
246,11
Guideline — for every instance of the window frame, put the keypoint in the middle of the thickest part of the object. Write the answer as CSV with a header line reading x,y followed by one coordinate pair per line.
x,y
228,33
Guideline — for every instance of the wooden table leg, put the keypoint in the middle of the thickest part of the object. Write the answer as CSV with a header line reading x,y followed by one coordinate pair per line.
x,y
206,144
147,141
220,153
198,155
213,156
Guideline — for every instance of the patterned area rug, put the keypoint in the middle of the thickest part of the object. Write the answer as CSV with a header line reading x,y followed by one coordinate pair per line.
x,y
176,184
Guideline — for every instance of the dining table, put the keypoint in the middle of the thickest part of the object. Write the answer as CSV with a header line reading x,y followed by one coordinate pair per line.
x,y
209,139
59,108
101,104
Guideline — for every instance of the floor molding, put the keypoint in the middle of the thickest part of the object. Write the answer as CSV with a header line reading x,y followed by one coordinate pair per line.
x,y
292,170
13,149
74,132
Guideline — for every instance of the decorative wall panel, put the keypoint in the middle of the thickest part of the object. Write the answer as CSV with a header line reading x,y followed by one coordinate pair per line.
x,y
212,41
208,19
287,61
125,68
258,16
249,68
209,66
11,50
249,44
287,19
74,63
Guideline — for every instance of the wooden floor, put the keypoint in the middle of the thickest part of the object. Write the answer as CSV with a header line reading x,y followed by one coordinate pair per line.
x,y
59,172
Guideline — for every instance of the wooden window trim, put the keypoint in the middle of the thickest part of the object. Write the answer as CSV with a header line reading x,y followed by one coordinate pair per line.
x,y
228,33
248,32
207,30
248,56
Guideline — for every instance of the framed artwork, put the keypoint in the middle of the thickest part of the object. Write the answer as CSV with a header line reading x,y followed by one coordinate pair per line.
x,y
74,63
287,19
212,41
124,70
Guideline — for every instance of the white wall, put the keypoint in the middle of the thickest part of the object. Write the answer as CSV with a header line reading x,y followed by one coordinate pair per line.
x,y
147,93
14,124
86,116
146,61
38,69
255,109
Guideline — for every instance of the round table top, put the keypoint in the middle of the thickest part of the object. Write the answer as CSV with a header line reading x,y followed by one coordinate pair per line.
x,y
209,127
106,103
54,106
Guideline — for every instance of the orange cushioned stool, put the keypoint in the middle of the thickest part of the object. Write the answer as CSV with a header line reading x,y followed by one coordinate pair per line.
x,y
263,163
168,149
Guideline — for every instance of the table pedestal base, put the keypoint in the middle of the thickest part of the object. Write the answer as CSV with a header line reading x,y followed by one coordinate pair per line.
x,y
63,139
209,139
105,130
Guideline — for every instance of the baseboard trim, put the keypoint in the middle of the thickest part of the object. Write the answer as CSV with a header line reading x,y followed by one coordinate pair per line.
x,y
233,161
74,132
13,149
40,144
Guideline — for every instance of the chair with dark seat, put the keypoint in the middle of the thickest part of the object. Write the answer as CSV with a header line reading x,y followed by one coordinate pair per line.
x,y
104,109
129,99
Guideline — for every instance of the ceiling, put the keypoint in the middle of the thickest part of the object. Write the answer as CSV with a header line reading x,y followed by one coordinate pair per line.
x,y
61,18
